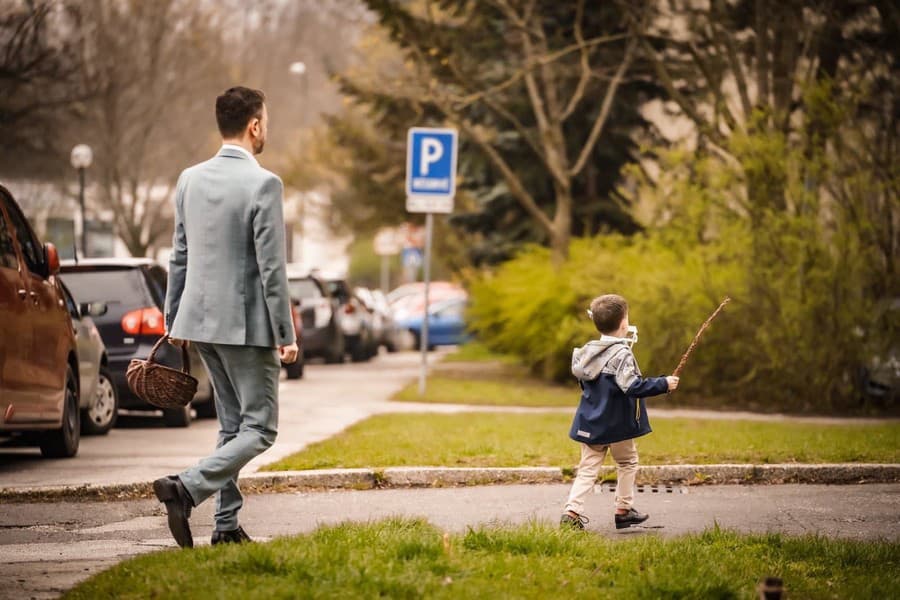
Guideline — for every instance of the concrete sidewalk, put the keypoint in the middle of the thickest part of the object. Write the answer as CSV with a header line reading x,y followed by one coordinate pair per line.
x,y
440,477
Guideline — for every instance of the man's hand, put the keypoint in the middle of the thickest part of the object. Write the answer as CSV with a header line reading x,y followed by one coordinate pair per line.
x,y
673,382
289,353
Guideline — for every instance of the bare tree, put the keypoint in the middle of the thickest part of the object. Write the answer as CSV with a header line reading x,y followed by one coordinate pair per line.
x,y
39,84
156,68
559,74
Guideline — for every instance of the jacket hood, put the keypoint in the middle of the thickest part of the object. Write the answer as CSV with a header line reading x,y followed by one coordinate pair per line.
x,y
588,361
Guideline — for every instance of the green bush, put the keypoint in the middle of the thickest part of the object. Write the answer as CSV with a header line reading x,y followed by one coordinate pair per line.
x,y
810,281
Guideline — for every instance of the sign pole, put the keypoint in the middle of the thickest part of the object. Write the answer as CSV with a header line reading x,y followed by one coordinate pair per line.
x,y
431,154
423,374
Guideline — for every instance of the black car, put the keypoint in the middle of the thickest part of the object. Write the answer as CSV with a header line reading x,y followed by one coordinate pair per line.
x,y
319,313
134,290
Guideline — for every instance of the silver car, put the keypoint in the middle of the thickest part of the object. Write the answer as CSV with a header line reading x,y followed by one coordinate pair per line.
x,y
99,400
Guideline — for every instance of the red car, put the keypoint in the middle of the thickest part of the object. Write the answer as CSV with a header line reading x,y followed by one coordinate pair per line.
x,y
39,388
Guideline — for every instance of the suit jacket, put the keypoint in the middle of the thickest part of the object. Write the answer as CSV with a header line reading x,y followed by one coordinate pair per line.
x,y
227,274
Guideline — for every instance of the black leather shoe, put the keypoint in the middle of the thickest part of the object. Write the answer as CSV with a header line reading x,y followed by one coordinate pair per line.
x,y
170,491
632,517
567,521
237,536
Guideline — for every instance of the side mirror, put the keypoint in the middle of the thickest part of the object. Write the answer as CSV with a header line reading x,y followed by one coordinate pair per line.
x,y
93,309
52,259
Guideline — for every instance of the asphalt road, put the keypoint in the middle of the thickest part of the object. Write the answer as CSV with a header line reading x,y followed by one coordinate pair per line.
x,y
47,548
325,401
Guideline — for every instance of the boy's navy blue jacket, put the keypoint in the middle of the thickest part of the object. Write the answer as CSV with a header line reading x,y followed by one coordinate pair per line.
x,y
611,409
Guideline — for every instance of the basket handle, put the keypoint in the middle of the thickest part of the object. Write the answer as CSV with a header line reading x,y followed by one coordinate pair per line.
x,y
185,359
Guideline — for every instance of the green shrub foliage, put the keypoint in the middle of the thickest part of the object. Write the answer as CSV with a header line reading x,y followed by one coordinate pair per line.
x,y
800,235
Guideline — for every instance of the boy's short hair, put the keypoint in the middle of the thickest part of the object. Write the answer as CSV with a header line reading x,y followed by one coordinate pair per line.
x,y
607,312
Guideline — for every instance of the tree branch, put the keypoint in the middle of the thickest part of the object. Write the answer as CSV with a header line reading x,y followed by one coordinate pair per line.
x,y
578,94
726,39
516,188
604,110
715,85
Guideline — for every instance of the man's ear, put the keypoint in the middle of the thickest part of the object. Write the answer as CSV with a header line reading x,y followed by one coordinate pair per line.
x,y
255,127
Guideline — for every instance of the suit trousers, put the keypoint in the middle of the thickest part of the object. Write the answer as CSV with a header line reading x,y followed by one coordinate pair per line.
x,y
626,456
245,381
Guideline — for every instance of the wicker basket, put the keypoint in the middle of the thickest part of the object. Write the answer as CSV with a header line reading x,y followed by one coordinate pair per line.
x,y
160,385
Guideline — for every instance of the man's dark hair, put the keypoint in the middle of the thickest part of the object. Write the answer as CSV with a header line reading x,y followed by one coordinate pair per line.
x,y
607,312
236,107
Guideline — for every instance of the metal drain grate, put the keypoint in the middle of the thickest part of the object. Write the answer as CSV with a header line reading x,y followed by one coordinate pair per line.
x,y
609,487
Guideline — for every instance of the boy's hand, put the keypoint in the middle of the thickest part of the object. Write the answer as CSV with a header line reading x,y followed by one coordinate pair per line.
x,y
673,382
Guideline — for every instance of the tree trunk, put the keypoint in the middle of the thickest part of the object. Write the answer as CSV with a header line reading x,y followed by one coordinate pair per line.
x,y
562,226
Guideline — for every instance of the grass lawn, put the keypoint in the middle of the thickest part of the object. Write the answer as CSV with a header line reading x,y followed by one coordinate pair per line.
x,y
509,440
475,351
412,559
452,388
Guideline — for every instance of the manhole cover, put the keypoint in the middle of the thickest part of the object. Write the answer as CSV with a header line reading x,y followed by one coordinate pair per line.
x,y
609,487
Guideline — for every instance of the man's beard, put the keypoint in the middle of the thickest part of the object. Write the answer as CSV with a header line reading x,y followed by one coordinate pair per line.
x,y
258,145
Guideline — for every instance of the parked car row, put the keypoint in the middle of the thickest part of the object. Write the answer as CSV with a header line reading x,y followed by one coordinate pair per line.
x,y
68,333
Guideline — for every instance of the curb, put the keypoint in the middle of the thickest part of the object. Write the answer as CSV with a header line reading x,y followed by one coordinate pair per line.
x,y
420,477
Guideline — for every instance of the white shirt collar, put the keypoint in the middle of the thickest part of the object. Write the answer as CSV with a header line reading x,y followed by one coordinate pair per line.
x,y
240,149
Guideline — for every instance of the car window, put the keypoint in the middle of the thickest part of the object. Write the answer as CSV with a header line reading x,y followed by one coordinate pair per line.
x,y
114,286
304,288
339,290
8,257
454,311
157,280
31,249
70,303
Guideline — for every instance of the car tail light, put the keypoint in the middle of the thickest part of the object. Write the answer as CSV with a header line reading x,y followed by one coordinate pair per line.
x,y
144,321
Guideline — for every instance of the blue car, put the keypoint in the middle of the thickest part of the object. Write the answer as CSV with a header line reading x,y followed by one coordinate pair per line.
x,y
446,326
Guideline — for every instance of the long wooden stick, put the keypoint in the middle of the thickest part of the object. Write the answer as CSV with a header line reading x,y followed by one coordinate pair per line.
x,y
697,337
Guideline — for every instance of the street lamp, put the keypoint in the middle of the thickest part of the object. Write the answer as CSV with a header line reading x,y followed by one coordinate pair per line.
x,y
298,69
81,159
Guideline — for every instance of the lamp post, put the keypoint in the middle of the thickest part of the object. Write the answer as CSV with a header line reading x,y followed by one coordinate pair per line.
x,y
298,69
81,159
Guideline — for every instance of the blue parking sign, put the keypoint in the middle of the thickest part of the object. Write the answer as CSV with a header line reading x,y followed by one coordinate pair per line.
x,y
431,162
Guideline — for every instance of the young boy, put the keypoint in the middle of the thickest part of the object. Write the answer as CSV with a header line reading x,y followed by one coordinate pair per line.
x,y
611,414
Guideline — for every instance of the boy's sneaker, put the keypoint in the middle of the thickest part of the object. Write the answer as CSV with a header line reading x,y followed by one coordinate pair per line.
x,y
632,517
567,521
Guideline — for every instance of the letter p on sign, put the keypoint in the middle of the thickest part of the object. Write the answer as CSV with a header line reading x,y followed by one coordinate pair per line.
x,y
432,151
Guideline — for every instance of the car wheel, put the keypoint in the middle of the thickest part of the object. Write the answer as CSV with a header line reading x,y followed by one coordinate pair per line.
x,y
295,369
336,352
100,418
63,442
358,350
177,417
206,410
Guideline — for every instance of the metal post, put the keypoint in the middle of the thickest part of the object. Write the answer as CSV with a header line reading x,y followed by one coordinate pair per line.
x,y
429,223
83,220
385,273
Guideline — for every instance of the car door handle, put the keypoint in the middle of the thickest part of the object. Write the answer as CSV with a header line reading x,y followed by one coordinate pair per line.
x,y
23,294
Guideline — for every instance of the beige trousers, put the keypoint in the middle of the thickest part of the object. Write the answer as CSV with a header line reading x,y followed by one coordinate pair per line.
x,y
592,457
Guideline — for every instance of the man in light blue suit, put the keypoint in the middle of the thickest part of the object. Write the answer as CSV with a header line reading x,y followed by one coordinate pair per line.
x,y
228,295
